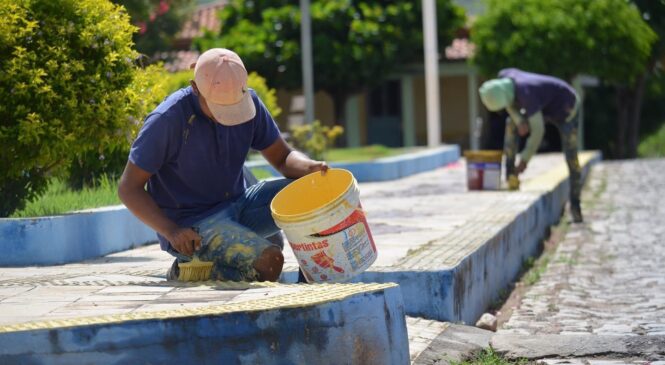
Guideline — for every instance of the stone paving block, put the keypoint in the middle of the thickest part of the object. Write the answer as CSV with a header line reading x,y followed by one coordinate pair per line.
x,y
534,347
606,274
49,294
8,292
454,344
421,334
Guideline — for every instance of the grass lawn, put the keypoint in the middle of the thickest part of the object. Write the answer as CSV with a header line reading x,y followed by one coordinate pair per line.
x,y
653,145
354,154
358,154
59,199
366,153
261,174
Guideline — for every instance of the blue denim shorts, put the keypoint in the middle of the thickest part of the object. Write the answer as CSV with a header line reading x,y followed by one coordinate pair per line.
x,y
234,237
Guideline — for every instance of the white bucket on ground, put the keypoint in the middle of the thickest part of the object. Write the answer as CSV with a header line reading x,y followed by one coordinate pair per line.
x,y
325,225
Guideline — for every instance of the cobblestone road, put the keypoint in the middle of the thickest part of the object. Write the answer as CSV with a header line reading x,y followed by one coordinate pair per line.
x,y
607,276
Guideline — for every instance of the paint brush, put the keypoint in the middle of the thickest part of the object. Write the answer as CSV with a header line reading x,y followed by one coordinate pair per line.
x,y
195,270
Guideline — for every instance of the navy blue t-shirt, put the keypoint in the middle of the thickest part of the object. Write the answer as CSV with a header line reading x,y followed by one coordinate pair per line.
x,y
196,162
534,92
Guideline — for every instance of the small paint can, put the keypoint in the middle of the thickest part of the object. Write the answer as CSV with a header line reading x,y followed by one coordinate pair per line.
x,y
483,169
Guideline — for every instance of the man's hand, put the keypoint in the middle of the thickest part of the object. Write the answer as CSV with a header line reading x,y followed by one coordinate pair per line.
x,y
520,167
185,240
318,166
131,190
290,163
523,129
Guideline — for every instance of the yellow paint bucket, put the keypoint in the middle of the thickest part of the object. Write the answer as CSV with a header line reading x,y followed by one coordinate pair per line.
x,y
483,169
325,225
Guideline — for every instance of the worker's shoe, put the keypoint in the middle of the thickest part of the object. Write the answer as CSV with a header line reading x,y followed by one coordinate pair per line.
x,y
173,272
576,212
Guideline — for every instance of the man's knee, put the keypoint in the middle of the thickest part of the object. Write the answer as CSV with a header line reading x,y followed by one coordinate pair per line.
x,y
269,264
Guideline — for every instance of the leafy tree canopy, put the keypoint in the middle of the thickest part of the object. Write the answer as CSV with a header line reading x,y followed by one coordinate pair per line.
x,y
653,12
605,38
355,44
158,21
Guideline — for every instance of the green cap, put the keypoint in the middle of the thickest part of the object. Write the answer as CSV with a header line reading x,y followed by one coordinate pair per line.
x,y
497,94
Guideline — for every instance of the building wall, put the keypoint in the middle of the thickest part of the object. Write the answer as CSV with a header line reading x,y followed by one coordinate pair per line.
x,y
454,96
454,110
323,108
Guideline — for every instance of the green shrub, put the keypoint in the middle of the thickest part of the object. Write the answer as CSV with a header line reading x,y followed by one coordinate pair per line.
x,y
267,95
315,139
178,80
158,22
65,69
146,91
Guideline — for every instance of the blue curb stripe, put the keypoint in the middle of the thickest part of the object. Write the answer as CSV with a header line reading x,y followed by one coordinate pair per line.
x,y
389,168
70,238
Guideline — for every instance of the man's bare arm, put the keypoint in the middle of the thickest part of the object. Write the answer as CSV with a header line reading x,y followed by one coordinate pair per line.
x,y
131,190
289,162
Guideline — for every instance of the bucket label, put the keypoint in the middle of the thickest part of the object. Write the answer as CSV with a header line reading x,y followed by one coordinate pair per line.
x,y
339,252
483,176
485,165
358,252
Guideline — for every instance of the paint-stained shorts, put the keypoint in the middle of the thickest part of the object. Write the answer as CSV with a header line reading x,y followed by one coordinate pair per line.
x,y
233,238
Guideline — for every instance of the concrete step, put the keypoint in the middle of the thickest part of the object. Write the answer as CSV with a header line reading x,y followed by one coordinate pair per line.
x,y
452,251
214,322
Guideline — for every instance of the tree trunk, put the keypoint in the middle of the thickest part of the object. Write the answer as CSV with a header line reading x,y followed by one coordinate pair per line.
x,y
637,96
339,101
623,106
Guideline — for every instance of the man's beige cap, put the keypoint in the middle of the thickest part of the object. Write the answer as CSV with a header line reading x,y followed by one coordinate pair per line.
x,y
221,79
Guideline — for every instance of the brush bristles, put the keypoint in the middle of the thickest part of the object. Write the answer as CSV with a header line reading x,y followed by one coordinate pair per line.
x,y
194,270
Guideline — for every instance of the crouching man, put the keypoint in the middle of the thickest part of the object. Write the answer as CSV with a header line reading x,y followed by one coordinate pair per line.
x,y
190,152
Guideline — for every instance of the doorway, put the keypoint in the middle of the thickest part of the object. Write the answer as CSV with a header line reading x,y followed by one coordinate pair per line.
x,y
384,111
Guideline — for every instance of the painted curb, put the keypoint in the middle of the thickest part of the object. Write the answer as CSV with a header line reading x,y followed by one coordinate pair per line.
x,y
389,168
93,233
366,327
71,237
463,292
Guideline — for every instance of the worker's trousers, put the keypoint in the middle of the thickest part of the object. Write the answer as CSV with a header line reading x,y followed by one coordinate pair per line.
x,y
568,132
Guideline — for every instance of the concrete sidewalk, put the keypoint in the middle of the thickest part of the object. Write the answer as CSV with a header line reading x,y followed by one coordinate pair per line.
x,y
453,251
427,229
